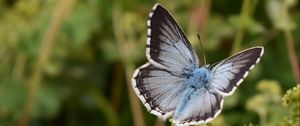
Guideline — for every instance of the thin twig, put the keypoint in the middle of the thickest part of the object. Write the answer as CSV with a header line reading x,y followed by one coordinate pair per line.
x,y
44,54
269,35
248,9
240,31
292,54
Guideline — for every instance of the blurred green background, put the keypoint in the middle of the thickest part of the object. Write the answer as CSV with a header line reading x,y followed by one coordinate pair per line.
x,y
69,62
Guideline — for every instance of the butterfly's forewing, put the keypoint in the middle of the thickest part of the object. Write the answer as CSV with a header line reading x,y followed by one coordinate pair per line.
x,y
204,107
160,83
158,89
167,46
229,73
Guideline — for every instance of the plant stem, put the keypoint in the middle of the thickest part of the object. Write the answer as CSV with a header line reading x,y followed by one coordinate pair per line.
x,y
159,122
117,86
135,104
44,54
248,9
240,31
262,118
129,68
266,38
19,66
253,6
292,54
290,45
105,107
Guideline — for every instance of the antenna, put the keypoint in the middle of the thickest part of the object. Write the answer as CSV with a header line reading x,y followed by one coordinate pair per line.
x,y
202,48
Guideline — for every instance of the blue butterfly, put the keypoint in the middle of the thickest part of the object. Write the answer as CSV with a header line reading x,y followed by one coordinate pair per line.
x,y
173,84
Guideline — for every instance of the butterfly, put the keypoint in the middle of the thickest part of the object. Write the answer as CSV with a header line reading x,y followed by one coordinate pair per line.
x,y
173,84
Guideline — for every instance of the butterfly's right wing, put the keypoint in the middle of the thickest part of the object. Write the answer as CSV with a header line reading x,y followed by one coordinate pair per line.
x,y
230,72
158,89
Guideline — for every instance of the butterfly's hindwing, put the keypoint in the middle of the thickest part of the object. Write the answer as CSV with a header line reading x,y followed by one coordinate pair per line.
x,y
229,73
202,106
158,89
167,46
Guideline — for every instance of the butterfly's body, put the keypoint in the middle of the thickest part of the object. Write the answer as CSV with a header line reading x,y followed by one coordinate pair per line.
x,y
197,83
199,78
172,84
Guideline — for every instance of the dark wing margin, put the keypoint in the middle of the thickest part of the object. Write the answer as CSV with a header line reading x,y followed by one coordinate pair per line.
x,y
167,46
158,89
230,72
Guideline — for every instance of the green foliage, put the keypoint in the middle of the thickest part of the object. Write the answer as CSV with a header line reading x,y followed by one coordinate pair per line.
x,y
267,102
13,95
85,79
291,102
277,11
272,110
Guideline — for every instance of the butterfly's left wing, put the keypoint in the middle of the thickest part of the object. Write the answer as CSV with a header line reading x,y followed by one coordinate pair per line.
x,y
167,46
160,83
229,73
159,90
